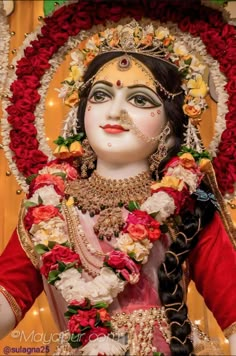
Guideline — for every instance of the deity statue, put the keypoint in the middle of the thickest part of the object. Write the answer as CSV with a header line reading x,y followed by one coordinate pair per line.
x,y
118,224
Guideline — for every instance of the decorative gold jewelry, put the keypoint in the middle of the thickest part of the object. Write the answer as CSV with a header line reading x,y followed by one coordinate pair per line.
x,y
140,326
88,159
91,259
161,151
128,70
97,194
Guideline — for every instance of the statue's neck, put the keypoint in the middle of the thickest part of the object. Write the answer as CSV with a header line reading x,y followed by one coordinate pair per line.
x,y
121,171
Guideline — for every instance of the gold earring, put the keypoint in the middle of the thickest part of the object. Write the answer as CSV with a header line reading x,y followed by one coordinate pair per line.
x,y
88,159
161,151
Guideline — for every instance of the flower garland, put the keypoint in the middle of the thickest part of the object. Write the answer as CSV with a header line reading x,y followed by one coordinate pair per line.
x,y
27,155
88,301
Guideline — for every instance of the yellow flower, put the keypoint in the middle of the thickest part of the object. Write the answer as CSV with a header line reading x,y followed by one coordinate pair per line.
x,y
192,111
76,149
75,74
197,86
205,165
61,152
70,201
187,160
169,182
161,33
72,100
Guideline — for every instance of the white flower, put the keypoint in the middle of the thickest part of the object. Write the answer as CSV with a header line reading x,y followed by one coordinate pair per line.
x,y
104,287
125,243
77,57
190,178
197,66
160,203
48,196
51,230
141,252
180,49
104,345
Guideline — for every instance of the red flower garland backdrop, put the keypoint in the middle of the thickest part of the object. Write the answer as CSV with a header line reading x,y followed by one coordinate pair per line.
x,y
217,35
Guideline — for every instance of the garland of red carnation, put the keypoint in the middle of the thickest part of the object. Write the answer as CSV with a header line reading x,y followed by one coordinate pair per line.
x,y
207,23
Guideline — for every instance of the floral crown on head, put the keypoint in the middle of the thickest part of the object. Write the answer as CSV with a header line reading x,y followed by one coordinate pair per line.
x,y
147,40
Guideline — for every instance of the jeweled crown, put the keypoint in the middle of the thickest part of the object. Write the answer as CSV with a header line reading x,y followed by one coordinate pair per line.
x,y
147,40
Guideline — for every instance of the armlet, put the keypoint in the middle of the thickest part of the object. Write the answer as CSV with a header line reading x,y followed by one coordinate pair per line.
x,y
25,240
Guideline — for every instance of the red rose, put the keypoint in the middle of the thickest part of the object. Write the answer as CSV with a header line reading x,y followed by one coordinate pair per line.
x,y
87,317
93,334
59,37
59,253
48,179
24,67
18,121
24,105
231,86
30,51
81,304
28,219
29,142
74,326
185,24
138,217
38,157
46,44
40,64
153,231
228,31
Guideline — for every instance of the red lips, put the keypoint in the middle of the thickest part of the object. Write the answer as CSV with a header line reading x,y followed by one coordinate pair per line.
x,y
113,129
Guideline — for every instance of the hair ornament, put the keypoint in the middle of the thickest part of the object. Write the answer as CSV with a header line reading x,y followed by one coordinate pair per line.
x,y
150,41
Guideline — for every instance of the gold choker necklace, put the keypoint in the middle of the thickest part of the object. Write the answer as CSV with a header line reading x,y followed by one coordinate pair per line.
x,y
99,195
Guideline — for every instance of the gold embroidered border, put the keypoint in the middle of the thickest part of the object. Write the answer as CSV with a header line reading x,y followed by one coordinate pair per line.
x,y
25,240
230,330
13,304
224,213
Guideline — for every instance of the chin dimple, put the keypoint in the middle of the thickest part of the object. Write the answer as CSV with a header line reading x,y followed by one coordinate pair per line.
x,y
109,144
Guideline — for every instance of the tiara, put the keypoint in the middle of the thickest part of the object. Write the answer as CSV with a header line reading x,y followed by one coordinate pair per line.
x,y
147,40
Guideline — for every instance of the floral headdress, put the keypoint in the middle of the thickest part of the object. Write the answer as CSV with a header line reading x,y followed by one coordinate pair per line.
x,y
149,41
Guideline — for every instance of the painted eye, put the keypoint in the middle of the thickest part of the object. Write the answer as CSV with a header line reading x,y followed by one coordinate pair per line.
x,y
99,96
142,101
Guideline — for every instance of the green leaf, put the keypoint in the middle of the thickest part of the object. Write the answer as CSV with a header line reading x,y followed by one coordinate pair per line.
x,y
29,204
41,249
59,141
61,266
60,174
100,305
53,276
40,200
51,244
31,178
49,6
133,205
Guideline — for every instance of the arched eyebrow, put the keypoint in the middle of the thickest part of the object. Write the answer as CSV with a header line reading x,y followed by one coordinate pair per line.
x,y
140,86
104,82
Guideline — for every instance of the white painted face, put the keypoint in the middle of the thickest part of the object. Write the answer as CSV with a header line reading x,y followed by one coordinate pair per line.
x,y
109,138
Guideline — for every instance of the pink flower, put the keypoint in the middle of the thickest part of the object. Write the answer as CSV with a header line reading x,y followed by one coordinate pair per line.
x,y
137,232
